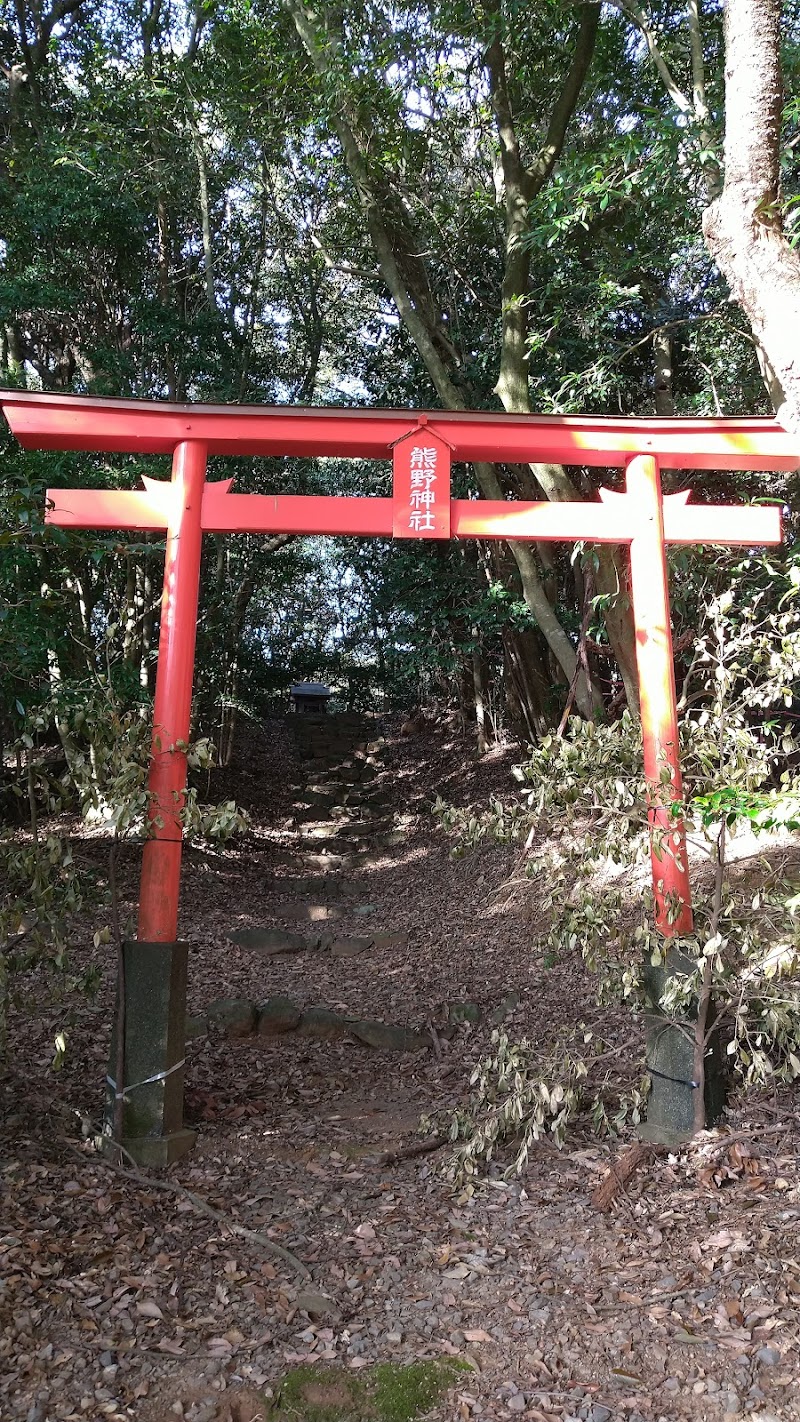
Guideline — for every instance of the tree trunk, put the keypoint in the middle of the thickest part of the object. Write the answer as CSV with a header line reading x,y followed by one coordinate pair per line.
x,y
129,639
662,372
205,213
526,684
479,692
612,582
144,593
521,185
234,634
71,752
743,228
151,24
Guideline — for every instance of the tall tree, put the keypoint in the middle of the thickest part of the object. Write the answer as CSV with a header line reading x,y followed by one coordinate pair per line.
x,y
744,226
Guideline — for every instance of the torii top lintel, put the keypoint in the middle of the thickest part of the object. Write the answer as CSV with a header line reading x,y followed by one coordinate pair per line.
x,y
55,421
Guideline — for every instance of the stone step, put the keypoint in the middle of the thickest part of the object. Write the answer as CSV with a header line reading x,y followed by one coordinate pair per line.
x,y
390,938
341,945
271,942
326,745
330,885
309,913
359,774
318,796
276,1016
349,947
320,829
278,942
337,844
323,728
309,814
368,855
240,1017
328,863
365,829
392,839
334,728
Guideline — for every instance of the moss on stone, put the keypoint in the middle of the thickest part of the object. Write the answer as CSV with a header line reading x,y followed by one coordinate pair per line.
x,y
389,1392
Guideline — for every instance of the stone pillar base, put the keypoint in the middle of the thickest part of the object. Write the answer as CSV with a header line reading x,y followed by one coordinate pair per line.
x,y
670,1059
670,1105
153,1151
153,1132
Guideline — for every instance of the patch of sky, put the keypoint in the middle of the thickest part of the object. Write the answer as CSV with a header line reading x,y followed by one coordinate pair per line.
x,y
352,387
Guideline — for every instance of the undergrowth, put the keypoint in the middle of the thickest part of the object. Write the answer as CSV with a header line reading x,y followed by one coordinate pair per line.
x,y
580,819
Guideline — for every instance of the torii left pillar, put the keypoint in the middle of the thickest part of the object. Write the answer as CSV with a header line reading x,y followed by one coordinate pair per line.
x,y
155,963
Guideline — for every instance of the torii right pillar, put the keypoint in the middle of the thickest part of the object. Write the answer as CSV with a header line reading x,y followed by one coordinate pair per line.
x,y
658,700
670,1048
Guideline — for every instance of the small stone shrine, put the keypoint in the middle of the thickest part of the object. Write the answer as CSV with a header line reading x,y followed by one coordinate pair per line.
x,y
310,697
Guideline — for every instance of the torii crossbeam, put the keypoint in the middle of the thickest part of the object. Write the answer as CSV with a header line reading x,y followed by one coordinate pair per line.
x,y
421,447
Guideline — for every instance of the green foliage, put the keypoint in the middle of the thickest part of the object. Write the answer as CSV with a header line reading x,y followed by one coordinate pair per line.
x,y
515,1097
518,1096
45,892
168,234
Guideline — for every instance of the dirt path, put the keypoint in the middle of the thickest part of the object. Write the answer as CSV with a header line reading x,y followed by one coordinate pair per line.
x,y
120,1300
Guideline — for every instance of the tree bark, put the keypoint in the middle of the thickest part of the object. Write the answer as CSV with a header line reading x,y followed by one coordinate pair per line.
x,y
205,212
129,640
526,683
662,372
144,596
743,228
236,625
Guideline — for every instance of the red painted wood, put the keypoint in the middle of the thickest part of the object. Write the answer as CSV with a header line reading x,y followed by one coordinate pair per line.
x,y
138,509
421,485
186,508
685,522
611,520
161,861
293,513
54,421
722,523
658,701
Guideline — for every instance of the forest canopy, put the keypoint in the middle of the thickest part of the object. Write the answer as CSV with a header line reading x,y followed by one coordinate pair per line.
x,y
493,206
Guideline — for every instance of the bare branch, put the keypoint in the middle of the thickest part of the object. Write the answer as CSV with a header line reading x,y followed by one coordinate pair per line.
x,y
45,25
698,64
635,15
437,352
565,104
521,185
173,1187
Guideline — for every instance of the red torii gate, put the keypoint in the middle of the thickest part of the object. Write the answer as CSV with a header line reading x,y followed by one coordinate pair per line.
x,y
421,447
